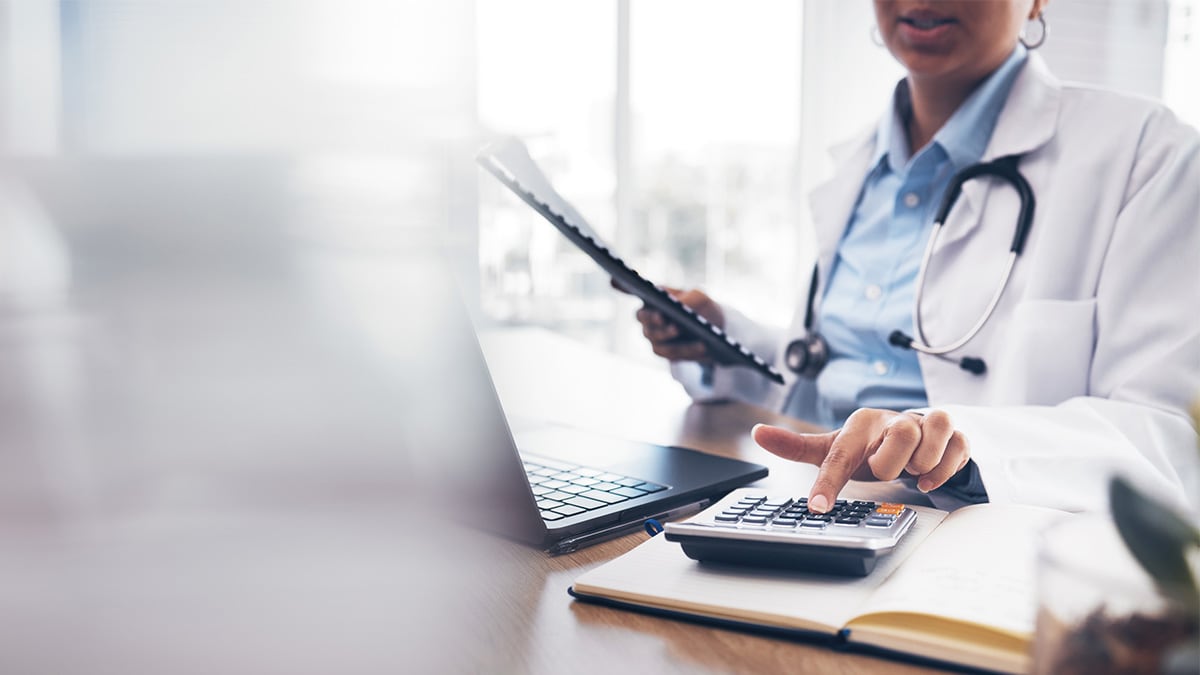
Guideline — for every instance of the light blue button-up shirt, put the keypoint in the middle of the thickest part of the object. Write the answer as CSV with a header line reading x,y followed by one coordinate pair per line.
x,y
870,289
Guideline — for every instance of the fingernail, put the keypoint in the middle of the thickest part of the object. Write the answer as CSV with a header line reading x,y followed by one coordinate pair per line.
x,y
925,485
819,504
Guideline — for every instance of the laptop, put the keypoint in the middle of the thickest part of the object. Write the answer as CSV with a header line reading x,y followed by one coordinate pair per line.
x,y
554,487
242,337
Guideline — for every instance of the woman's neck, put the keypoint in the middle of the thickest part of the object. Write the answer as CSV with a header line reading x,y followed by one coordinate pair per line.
x,y
932,105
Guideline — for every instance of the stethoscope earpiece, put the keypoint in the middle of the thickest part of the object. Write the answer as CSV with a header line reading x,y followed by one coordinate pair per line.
x,y
899,339
971,364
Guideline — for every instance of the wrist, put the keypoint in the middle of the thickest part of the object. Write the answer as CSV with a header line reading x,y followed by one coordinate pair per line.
x,y
967,484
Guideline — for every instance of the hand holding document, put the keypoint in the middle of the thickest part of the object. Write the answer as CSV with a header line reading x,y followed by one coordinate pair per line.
x,y
511,164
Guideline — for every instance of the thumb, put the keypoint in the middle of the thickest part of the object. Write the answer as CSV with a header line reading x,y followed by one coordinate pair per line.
x,y
808,448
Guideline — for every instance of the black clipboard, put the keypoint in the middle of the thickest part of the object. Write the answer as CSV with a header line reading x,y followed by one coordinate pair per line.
x,y
724,349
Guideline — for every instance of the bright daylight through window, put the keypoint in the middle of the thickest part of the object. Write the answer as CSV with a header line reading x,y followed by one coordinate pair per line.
x,y
689,132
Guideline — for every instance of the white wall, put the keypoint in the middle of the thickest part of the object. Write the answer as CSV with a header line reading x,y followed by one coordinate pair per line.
x,y
224,76
30,95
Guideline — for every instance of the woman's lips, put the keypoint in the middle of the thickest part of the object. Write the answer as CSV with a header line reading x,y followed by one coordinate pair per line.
x,y
925,20
925,30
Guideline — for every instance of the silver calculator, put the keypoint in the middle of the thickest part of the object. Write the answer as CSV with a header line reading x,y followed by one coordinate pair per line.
x,y
753,527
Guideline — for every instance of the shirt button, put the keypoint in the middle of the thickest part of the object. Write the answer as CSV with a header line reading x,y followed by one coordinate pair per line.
x,y
873,292
880,367
912,200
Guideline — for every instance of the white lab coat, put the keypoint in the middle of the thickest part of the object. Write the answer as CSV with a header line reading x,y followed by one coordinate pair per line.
x,y
1093,353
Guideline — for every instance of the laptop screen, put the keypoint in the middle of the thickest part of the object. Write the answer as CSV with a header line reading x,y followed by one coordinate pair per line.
x,y
459,438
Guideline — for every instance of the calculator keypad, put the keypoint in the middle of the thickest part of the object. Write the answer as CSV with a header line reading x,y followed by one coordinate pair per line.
x,y
751,527
757,511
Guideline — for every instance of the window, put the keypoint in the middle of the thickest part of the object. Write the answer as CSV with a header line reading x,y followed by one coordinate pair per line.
x,y
684,161
715,97
1183,60
690,132
547,73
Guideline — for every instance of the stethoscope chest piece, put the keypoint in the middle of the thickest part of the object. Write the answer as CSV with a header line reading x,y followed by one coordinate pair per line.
x,y
807,356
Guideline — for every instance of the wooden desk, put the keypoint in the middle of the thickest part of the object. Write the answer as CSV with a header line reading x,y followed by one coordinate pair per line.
x,y
539,374
183,514
203,469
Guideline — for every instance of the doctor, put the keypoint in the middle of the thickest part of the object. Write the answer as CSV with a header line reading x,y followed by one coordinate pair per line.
x,y
1092,352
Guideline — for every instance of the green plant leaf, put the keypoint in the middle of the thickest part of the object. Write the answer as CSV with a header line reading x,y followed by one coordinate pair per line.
x,y
1158,538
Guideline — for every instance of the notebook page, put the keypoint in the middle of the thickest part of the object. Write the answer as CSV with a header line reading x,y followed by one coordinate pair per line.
x,y
979,569
658,574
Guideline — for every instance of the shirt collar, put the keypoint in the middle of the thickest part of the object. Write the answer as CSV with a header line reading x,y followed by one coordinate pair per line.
x,y
964,137
891,146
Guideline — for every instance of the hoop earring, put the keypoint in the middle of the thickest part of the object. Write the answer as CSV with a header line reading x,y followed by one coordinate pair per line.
x,y
1041,34
876,37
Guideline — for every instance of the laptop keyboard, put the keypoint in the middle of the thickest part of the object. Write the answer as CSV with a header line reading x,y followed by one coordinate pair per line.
x,y
564,490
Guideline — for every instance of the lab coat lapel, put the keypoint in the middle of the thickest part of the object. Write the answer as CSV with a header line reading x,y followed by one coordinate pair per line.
x,y
831,202
1026,123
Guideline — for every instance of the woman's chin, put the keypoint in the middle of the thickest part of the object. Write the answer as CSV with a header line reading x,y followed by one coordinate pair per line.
x,y
923,65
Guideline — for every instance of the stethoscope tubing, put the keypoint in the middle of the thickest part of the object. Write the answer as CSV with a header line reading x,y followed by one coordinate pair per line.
x,y
812,348
1004,168
924,346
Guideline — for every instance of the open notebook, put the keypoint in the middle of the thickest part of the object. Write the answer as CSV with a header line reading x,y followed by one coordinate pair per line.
x,y
959,589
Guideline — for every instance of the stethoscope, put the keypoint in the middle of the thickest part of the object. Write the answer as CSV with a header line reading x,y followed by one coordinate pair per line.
x,y
807,356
